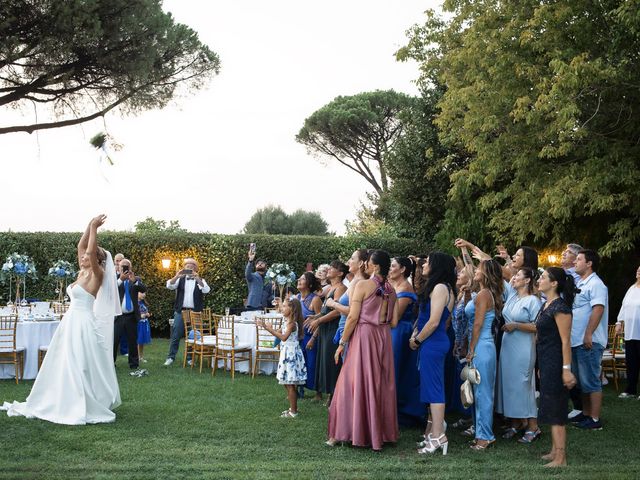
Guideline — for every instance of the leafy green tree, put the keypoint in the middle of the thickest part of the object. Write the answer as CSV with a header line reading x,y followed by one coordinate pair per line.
x,y
83,58
419,167
274,220
307,223
369,223
358,131
544,97
151,225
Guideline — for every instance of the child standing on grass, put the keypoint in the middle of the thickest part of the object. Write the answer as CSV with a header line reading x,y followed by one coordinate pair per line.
x,y
292,370
144,330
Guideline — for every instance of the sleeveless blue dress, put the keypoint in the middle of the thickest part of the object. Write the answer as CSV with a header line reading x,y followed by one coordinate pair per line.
x,y
485,362
344,300
433,351
410,409
309,355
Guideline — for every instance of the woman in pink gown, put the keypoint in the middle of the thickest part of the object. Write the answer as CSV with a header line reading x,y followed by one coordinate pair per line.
x,y
363,410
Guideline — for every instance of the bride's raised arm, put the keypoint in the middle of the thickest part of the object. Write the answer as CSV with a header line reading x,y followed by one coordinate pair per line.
x,y
92,245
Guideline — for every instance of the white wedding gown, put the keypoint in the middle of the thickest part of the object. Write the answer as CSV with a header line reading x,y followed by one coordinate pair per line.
x,y
77,382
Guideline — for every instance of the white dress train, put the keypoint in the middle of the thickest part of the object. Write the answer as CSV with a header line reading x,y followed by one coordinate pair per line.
x,y
77,383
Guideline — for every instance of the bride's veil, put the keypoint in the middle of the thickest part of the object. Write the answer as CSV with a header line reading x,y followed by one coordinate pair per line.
x,y
107,305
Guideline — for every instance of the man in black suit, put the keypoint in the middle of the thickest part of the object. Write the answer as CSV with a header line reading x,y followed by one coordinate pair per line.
x,y
128,287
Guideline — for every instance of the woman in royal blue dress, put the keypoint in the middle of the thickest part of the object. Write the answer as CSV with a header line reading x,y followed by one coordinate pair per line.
x,y
481,312
437,298
410,408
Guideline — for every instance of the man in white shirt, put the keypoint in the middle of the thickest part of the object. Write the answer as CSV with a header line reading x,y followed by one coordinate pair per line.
x,y
190,290
589,334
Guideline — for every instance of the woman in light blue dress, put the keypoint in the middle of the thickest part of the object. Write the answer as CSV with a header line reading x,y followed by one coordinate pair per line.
x,y
516,386
481,312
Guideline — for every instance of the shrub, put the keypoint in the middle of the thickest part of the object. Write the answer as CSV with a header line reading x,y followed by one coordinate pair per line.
x,y
222,259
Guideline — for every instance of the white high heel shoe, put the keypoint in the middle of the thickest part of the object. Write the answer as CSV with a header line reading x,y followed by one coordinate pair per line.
x,y
425,442
434,444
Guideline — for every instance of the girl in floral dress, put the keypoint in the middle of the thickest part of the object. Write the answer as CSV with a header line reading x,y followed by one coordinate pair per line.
x,y
292,370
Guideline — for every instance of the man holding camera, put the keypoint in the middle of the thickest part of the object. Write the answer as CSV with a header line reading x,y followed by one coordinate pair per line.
x,y
190,290
260,293
127,324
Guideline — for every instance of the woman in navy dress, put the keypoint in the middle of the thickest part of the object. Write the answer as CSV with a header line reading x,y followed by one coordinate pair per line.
x,y
437,298
308,286
553,346
410,408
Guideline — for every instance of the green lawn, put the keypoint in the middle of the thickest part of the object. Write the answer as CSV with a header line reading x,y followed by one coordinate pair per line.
x,y
177,423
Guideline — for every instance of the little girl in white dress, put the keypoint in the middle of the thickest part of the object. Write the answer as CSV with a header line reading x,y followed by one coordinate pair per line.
x,y
292,370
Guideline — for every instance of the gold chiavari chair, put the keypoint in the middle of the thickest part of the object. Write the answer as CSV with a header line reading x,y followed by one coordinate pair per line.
x,y
60,308
189,344
613,357
205,341
265,349
227,348
10,353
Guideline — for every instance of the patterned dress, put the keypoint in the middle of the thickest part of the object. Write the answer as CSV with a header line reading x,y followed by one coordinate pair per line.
x,y
291,367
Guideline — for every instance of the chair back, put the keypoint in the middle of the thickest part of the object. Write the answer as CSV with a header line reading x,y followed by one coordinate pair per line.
x,y
60,308
186,321
201,324
264,339
225,332
8,325
206,314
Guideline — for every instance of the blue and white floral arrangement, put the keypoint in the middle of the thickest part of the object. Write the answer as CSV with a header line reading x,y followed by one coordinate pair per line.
x,y
61,270
281,275
17,268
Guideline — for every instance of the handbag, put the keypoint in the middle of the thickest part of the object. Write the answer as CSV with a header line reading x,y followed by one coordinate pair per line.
x,y
470,376
466,394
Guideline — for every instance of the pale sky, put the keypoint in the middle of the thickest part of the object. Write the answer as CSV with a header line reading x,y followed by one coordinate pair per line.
x,y
212,159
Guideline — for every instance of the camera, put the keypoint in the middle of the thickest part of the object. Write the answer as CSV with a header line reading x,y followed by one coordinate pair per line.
x,y
187,271
125,268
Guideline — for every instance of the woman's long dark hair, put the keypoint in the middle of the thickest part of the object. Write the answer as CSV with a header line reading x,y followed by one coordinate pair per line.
x,y
442,269
313,284
566,286
381,259
530,257
408,264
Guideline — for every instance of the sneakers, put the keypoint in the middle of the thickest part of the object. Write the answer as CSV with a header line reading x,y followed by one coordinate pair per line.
x,y
288,414
573,413
189,362
626,395
141,372
581,417
470,432
590,424
143,360
168,362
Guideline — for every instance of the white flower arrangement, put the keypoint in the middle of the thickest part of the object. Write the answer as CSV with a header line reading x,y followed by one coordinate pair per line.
x,y
61,269
18,265
282,274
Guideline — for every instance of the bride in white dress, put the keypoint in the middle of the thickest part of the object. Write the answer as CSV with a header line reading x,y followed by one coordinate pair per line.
x,y
77,383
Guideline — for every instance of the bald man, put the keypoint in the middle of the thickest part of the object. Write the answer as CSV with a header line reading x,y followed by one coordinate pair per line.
x,y
190,290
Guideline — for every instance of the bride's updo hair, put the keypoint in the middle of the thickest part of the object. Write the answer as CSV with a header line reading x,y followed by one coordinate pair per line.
x,y
102,256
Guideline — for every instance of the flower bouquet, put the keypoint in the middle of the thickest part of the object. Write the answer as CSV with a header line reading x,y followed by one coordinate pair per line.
x,y
281,275
60,271
17,268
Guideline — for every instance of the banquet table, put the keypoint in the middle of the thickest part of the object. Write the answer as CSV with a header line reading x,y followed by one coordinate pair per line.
x,y
31,335
245,332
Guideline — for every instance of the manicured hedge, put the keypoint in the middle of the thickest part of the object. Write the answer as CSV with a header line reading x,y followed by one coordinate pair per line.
x,y
222,259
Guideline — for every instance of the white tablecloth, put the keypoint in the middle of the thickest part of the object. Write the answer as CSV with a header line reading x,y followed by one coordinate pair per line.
x,y
30,335
246,333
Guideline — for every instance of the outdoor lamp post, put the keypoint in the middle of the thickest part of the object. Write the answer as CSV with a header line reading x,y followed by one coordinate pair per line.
x,y
166,263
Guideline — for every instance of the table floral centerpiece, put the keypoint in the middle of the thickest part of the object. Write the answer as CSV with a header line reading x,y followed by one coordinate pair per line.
x,y
17,268
60,271
281,275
